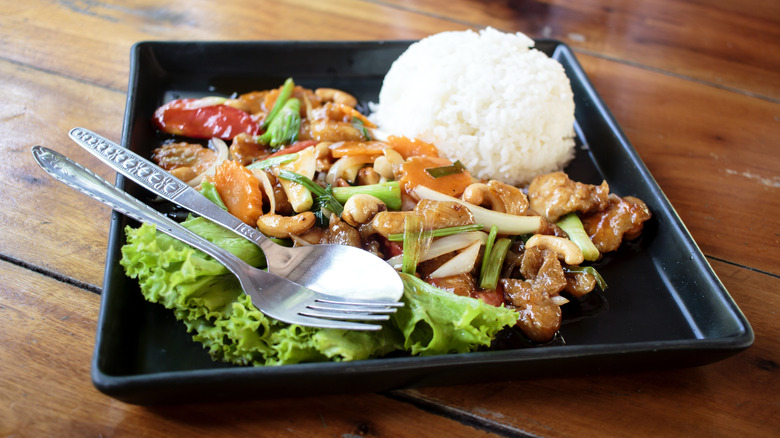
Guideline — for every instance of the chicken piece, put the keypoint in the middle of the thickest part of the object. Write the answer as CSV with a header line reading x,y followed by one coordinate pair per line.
x,y
334,122
514,200
283,205
547,228
462,284
580,283
245,149
621,218
341,233
444,214
372,245
540,317
543,269
175,155
252,102
554,195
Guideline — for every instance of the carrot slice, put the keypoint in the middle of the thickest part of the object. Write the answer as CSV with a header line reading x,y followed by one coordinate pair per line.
x,y
414,174
239,190
412,147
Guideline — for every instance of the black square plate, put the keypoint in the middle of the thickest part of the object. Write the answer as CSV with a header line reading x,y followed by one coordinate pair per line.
x,y
664,306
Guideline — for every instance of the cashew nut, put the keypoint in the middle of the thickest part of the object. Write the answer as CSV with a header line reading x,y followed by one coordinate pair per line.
x,y
435,214
334,95
275,225
389,222
361,208
479,194
367,176
563,248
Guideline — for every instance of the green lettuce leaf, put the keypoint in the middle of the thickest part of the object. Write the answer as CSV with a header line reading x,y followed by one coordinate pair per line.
x,y
209,301
435,321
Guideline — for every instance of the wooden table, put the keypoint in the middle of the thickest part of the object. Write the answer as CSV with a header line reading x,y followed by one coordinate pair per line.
x,y
695,85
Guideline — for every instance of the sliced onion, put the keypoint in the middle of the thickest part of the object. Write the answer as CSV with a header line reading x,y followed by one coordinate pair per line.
x,y
221,148
396,262
299,240
268,187
508,224
460,264
559,300
452,243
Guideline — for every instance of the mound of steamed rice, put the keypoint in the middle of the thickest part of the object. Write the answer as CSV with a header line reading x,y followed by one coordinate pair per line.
x,y
488,99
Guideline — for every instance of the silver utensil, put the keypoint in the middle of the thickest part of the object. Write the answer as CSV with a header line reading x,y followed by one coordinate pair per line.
x,y
333,269
275,296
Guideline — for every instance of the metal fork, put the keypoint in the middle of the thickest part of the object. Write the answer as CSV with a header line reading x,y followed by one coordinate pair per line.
x,y
275,296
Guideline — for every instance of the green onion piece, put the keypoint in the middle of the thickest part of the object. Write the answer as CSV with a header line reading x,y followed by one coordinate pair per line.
x,y
284,94
441,232
489,279
388,192
438,172
360,126
588,270
284,129
273,161
572,225
413,239
488,248
323,195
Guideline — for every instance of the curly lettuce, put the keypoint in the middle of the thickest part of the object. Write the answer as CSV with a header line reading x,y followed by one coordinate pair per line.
x,y
209,301
435,321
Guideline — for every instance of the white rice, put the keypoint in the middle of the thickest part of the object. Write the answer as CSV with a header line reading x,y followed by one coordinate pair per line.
x,y
488,99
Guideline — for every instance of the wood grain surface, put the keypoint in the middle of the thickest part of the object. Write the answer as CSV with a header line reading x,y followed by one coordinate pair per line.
x,y
695,85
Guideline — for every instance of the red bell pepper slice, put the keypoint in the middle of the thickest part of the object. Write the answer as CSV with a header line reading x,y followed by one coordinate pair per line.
x,y
189,118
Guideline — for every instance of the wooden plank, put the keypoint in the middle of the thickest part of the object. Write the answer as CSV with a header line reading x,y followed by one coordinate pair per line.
x,y
713,152
728,43
48,224
91,41
47,337
735,397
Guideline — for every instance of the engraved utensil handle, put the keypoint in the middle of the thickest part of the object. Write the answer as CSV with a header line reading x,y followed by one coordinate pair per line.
x,y
163,184
76,176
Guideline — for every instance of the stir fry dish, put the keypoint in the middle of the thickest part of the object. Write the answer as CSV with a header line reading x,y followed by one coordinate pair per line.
x,y
306,167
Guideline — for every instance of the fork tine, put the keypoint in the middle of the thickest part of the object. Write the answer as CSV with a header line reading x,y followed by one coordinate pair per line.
x,y
357,302
315,321
314,313
351,309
